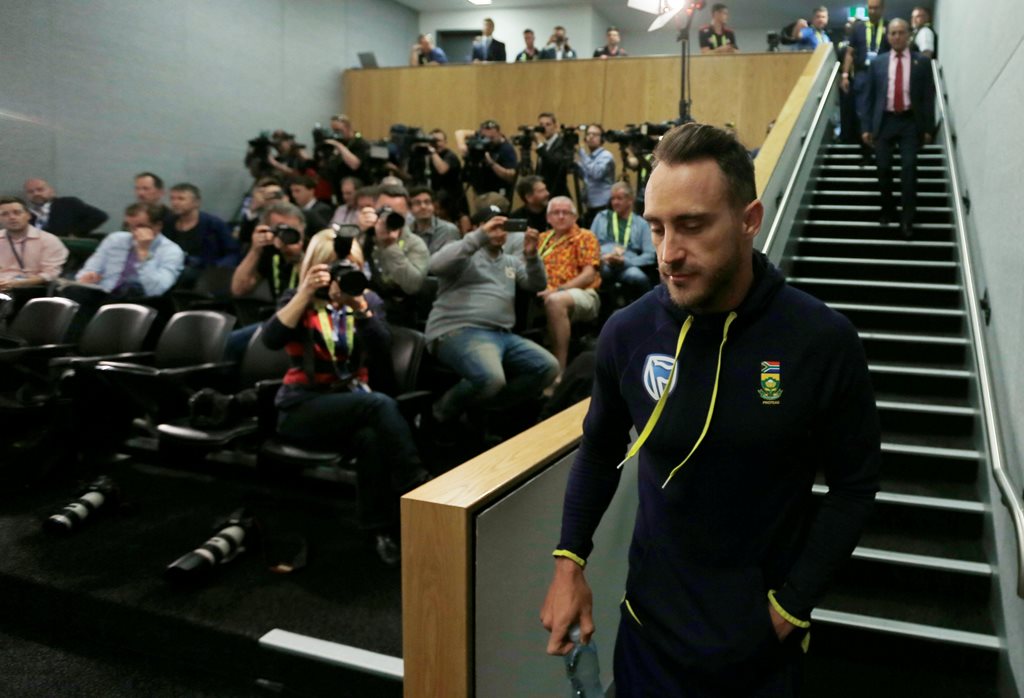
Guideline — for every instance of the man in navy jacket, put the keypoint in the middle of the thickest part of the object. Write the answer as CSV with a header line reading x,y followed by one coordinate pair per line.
x,y
741,388
60,215
901,109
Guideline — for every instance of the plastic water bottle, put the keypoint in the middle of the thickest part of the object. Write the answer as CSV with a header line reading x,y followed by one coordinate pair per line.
x,y
582,668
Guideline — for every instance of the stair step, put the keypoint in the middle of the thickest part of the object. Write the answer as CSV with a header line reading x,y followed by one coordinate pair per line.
x,y
912,500
869,242
898,309
875,261
938,543
944,564
904,448
873,209
929,407
878,248
870,291
876,284
832,615
914,338
871,169
873,224
896,178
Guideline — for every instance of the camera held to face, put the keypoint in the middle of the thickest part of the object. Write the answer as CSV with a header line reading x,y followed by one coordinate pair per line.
x,y
286,234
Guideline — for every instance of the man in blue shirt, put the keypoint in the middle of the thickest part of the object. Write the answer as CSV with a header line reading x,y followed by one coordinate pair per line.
x,y
425,53
809,36
627,252
598,169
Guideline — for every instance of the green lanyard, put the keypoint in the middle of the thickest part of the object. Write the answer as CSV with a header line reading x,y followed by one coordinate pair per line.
x,y
821,37
547,248
276,278
327,330
874,37
615,229
717,40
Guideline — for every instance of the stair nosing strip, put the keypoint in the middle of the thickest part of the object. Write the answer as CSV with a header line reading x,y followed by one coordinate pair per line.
x,y
977,569
935,451
855,207
899,627
875,224
934,264
920,370
886,284
879,242
906,406
902,309
920,501
927,339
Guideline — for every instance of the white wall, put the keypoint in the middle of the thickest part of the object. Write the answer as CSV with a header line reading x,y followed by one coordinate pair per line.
x,y
93,92
986,95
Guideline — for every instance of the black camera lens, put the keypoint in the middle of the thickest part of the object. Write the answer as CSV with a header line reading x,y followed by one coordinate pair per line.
x,y
286,234
349,278
393,220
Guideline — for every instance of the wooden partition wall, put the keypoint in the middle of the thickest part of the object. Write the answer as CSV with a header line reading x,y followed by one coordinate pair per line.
x,y
748,89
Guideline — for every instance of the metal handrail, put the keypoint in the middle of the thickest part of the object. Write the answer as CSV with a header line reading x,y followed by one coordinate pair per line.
x,y
804,148
995,454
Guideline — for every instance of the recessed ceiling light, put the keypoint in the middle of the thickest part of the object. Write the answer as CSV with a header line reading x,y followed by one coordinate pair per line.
x,y
479,2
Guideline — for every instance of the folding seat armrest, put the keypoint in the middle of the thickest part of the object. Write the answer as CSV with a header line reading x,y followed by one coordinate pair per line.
x,y
187,372
128,356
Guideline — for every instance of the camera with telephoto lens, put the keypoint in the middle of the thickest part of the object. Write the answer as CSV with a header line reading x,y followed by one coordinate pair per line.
x,y
99,495
286,234
393,220
344,272
571,135
227,543
524,139
322,149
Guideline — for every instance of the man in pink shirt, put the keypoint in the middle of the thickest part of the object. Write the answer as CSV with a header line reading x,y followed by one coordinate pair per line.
x,y
28,256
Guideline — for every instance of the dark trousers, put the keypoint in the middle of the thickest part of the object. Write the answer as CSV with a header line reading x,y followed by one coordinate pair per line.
x,y
370,425
644,670
900,129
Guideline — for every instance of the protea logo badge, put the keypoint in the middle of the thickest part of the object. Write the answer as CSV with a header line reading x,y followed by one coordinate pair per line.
x,y
771,382
656,373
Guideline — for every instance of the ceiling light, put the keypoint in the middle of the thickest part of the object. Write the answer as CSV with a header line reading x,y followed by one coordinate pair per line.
x,y
479,2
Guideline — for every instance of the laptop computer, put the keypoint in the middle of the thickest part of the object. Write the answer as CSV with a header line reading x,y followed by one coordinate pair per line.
x,y
368,60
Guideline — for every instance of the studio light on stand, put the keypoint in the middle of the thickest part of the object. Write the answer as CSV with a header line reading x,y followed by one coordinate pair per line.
x,y
666,11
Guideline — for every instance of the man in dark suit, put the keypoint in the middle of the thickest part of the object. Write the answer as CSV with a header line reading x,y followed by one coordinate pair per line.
x,y
60,215
487,48
901,108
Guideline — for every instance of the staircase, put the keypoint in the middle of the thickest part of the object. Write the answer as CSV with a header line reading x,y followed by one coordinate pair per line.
x,y
910,612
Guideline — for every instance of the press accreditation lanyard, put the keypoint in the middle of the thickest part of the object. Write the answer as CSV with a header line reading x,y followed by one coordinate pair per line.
x,y
615,229
327,327
547,248
277,276
21,262
874,36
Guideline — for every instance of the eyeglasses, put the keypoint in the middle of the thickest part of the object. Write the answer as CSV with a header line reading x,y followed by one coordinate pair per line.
x,y
561,213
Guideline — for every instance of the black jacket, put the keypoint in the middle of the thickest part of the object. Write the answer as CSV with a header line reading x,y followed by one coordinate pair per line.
x,y
737,519
69,215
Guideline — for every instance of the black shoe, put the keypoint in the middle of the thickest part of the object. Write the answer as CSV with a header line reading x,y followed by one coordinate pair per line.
x,y
388,549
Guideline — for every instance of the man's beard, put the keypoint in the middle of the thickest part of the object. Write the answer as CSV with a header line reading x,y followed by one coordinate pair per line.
x,y
717,283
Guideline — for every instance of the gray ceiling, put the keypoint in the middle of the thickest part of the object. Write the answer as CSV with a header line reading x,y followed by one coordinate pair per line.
x,y
752,14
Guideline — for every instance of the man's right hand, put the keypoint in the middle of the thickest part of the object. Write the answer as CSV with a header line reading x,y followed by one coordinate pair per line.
x,y
494,228
844,83
569,601
261,237
90,277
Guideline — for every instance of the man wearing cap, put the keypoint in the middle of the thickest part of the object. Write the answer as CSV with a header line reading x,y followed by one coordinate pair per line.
x,y
469,327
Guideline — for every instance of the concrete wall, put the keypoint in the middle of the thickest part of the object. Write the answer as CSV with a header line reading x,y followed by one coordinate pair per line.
x,y
986,95
94,92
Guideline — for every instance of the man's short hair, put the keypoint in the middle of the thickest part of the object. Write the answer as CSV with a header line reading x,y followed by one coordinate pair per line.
x,y
189,187
490,123
611,29
303,180
624,187
366,192
691,142
528,31
819,8
268,181
559,26
394,191
525,185
157,181
718,7
154,212
283,208
560,200
419,190
547,114
925,10
488,20
355,181
14,200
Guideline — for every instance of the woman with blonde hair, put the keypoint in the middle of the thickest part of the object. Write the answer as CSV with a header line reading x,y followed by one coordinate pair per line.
x,y
339,344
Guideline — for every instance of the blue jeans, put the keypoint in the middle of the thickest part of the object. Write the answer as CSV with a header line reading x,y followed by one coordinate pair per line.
x,y
494,365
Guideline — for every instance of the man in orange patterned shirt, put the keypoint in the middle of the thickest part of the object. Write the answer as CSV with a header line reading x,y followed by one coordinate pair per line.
x,y
572,258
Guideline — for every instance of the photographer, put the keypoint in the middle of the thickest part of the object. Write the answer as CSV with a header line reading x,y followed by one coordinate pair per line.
x,y
554,154
292,158
349,157
339,346
398,258
469,328
266,192
434,165
558,48
425,53
489,159
598,168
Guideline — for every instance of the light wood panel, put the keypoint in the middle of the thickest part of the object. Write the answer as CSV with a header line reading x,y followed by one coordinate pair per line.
x,y
771,150
437,552
747,89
